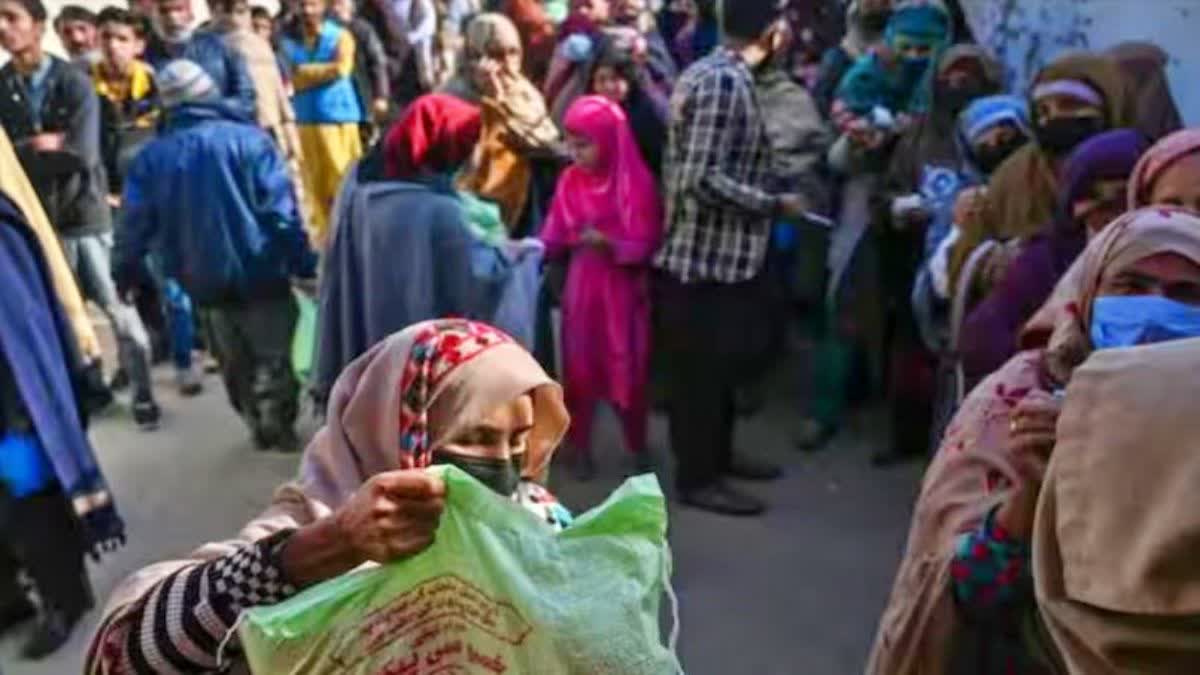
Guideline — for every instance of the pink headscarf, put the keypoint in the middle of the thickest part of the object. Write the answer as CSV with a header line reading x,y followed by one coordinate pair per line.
x,y
1157,160
619,196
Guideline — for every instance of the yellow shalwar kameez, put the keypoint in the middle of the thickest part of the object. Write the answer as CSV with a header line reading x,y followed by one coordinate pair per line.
x,y
328,149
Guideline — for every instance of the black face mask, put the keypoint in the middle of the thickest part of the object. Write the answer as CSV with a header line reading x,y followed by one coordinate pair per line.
x,y
956,99
990,157
1061,135
501,475
875,22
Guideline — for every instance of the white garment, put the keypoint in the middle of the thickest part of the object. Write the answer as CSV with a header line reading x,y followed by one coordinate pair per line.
x,y
939,264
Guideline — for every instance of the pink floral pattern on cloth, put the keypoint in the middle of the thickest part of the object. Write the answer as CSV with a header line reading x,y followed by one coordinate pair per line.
x,y
440,349
982,424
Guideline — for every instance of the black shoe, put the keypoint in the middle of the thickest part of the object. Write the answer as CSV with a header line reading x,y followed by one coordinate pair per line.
x,y
52,632
263,440
722,499
96,394
146,413
16,613
288,442
814,436
757,470
119,381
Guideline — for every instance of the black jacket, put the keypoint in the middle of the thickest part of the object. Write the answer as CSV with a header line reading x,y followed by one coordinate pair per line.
x,y
72,184
370,64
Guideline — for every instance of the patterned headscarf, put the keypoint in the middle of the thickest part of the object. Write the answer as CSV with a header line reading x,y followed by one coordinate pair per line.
x,y
1157,160
413,392
438,349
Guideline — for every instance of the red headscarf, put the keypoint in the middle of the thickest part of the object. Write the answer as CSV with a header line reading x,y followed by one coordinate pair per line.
x,y
618,196
437,133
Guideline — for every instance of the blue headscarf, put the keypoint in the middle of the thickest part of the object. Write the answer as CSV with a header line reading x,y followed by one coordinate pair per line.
x,y
33,336
870,83
985,114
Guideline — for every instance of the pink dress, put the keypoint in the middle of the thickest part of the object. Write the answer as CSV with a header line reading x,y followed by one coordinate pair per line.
x,y
606,304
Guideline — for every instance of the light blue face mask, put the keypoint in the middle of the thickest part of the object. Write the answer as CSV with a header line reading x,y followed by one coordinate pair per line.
x,y
1128,321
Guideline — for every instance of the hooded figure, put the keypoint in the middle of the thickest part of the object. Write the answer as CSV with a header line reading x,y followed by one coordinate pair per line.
x,y
1115,539
990,334
926,164
865,23
961,600
1023,192
1145,64
897,79
516,125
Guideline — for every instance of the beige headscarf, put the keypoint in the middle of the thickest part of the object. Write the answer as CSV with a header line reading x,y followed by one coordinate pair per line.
x,y
1022,192
516,123
1117,533
1145,65
362,436
972,471
14,183
1160,157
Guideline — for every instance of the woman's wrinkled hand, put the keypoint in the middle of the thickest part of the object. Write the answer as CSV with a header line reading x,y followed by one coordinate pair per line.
x,y
393,515
1031,438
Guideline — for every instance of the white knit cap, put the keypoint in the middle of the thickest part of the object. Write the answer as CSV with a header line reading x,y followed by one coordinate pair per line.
x,y
184,81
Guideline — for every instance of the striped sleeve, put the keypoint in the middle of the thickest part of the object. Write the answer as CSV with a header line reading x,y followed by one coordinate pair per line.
x,y
180,626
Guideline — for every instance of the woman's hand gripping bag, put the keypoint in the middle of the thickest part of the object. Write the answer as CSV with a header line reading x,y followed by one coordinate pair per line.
x,y
498,592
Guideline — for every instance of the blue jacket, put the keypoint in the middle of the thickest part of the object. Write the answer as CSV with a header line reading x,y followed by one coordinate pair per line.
x,y
209,50
334,102
212,198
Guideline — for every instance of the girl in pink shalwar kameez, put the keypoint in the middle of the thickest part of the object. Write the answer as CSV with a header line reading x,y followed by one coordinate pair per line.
x,y
607,216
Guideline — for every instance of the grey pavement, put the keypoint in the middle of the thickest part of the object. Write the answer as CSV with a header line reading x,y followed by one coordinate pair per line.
x,y
797,592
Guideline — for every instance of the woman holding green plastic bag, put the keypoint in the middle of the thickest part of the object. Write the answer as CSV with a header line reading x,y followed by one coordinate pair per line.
x,y
451,392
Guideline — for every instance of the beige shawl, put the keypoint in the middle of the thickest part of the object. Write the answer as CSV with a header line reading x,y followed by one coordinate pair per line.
x,y
361,439
1117,535
14,183
516,123
972,471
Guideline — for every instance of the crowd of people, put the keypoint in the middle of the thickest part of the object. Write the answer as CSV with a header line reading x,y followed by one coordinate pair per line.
x,y
648,202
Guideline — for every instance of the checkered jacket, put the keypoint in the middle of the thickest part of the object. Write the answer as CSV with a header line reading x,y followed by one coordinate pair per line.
x,y
717,168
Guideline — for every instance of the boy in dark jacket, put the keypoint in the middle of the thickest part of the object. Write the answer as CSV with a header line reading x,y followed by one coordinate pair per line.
x,y
50,110
213,200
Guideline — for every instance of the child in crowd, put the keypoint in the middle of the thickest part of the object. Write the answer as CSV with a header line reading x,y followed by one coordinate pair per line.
x,y
129,114
125,85
607,217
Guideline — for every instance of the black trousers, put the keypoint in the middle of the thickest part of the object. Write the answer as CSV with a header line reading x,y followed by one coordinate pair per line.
x,y
43,536
711,338
253,341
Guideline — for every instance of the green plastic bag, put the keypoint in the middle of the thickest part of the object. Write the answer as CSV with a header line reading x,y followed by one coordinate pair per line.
x,y
304,339
498,592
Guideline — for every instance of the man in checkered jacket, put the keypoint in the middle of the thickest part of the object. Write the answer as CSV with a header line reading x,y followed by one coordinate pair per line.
x,y
713,306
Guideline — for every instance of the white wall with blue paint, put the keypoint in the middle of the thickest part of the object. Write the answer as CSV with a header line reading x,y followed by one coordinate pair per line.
x,y
1026,34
